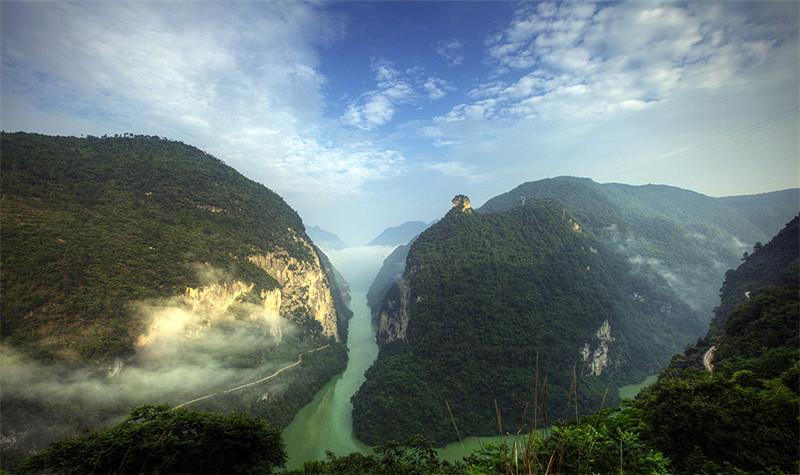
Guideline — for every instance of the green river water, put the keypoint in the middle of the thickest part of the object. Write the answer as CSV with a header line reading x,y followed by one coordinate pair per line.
x,y
326,424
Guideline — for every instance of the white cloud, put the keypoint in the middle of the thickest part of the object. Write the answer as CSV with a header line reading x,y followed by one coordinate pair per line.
x,y
240,80
587,60
298,163
394,88
460,170
212,63
452,51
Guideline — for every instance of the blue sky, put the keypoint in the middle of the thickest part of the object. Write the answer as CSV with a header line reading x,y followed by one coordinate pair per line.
x,y
363,115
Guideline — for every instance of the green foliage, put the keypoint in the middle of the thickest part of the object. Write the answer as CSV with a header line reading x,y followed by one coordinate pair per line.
x,y
775,263
687,236
493,298
89,225
155,439
723,422
417,455
744,416
280,400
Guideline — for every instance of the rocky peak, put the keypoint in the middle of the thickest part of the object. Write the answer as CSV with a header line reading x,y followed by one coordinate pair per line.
x,y
461,203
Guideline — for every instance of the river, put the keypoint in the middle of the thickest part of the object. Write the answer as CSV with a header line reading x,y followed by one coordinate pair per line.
x,y
325,424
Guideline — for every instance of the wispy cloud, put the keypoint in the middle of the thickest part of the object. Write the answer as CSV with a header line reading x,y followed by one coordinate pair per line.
x,y
585,60
394,88
452,51
241,80
299,162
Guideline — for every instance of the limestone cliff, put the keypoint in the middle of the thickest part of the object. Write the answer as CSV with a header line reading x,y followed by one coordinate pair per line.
x,y
392,316
305,288
199,308
596,361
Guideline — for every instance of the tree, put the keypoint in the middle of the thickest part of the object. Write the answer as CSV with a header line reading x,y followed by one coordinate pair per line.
x,y
154,438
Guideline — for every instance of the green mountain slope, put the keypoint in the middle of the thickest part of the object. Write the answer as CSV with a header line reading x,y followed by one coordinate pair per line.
x,y
485,299
137,269
769,212
744,414
688,238
92,224
391,270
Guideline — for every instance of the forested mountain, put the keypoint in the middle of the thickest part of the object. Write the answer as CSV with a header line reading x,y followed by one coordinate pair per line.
x,y
391,270
743,415
688,238
739,415
768,211
486,299
138,269
399,235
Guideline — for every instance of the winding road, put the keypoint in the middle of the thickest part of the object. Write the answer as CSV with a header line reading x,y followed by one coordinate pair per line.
x,y
707,359
299,360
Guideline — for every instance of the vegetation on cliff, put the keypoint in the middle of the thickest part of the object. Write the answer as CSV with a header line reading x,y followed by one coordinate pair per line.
x,y
109,241
740,418
744,414
92,224
687,237
493,297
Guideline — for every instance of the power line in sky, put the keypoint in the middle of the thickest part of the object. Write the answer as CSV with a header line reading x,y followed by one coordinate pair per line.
x,y
712,141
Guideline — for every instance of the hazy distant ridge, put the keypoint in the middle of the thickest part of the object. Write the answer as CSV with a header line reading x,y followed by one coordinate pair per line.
x,y
689,238
325,239
397,235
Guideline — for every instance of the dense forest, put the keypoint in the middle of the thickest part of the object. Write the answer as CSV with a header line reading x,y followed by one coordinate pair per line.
x,y
738,416
527,313
689,238
493,297
92,224
100,238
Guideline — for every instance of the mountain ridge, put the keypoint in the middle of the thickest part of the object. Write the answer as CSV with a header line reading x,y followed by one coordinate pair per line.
x,y
490,296
398,235
137,269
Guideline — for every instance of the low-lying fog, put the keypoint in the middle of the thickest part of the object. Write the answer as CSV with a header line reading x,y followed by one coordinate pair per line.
x,y
187,352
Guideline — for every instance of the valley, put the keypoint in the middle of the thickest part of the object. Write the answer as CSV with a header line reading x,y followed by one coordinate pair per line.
x,y
397,237
325,424
208,295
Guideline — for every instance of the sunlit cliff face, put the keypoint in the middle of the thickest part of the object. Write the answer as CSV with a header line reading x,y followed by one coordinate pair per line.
x,y
200,308
461,203
304,288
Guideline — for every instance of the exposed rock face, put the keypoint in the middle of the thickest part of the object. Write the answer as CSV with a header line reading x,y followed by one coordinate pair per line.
x,y
461,203
304,287
204,306
597,361
304,291
392,315
217,297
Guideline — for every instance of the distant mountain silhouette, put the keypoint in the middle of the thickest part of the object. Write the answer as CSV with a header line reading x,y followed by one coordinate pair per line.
x,y
325,239
399,234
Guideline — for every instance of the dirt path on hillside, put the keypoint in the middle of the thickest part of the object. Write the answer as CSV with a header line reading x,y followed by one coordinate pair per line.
x,y
299,360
